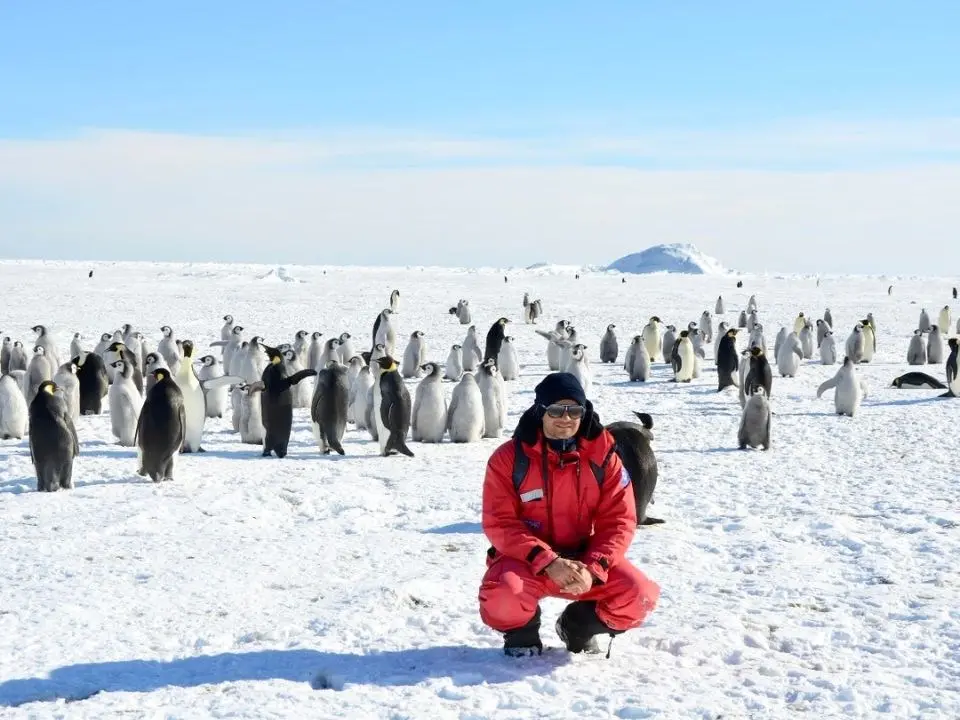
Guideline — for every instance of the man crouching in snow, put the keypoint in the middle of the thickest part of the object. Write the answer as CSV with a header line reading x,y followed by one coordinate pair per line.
x,y
560,514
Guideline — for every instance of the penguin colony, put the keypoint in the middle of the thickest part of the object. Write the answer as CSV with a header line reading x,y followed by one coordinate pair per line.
x,y
159,399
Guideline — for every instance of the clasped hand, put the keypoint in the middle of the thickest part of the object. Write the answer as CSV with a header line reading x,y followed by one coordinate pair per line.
x,y
571,576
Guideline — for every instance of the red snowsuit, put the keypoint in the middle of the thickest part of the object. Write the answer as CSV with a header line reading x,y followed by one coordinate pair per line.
x,y
573,514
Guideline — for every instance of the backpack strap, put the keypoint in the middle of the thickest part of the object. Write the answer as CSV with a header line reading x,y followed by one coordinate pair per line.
x,y
521,463
600,470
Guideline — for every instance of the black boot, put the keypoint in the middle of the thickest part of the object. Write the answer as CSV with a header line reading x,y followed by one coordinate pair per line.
x,y
524,640
577,625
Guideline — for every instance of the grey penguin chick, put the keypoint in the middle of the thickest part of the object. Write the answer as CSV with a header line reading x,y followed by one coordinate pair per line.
x,y
465,415
68,387
609,348
429,420
755,421
453,368
329,406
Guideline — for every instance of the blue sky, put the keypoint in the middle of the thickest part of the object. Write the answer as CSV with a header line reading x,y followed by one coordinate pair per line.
x,y
384,92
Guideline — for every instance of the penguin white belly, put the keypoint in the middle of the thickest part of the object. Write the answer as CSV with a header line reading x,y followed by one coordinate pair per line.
x,y
195,413
13,409
553,357
650,338
125,404
432,415
467,423
868,342
848,395
507,362
581,373
686,361
251,419
383,433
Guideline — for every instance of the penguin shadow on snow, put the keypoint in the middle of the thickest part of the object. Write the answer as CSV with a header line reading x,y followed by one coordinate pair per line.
x,y
455,529
322,671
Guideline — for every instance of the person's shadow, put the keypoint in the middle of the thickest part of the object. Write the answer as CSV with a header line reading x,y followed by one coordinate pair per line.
x,y
322,670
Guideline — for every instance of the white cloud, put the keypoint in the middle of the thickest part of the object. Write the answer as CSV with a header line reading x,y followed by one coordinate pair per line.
x,y
388,199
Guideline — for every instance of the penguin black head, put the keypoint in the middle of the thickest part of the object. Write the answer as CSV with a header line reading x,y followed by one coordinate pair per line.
x,y
897,382
228,318
953,343
188,348
47,386
290,354
39,329
208,360
503,321
756,351
732,332
452,311
273,354
118,364
611,326
116,347
418,333
316,335
166,330
333,343
301,334
684,333
38,350
237,329
387,364
160,374
655,319
366,356
508,338
344,336
105,337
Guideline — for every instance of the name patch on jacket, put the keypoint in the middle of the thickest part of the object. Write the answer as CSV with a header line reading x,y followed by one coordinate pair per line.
x,y
535,524
531,495
624,477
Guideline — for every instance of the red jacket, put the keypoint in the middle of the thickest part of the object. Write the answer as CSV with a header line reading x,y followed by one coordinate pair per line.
x,y
571,514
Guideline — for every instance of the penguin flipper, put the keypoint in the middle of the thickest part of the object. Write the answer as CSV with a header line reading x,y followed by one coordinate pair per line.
x,y
298,376
218,343
217,382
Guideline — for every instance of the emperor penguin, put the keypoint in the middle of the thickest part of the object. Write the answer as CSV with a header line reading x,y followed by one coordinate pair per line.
x,y
47,343
384,331
934,345
301,393
751,320
232,348
249,362
742,320
13,408
652,340
39,371
953,378
93,381
5,350
728,360
798,323
465,415
329,406
828,317
778,342
134,344
395,301
822,329
68,387
168,348
527,318
755,421
752,304
345,348
331,351
683,358
806,340
76,347
428,423
639,369
579,367
391,409
125,403
855,343
53,440
414,356
361,391
945,321
669,340
917,351
742,376
721,332
453,368
788,360
924,323
215,397
495,339
471,356
850,389
828,349
315,350
249,417
161,427
757,338
609,348
869,341
227,330
301,346
194,405
151,361
101,347
554,338
706,326
759,374
719,309
494,398
507,361
463,312
276,401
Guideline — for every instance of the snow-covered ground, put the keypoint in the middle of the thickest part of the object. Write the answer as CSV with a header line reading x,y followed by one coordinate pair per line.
x,y
818,579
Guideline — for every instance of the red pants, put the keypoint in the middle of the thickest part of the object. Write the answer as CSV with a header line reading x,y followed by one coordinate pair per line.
x,y
510,592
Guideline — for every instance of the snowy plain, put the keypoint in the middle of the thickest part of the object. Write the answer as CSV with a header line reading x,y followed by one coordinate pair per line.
x,y
818,579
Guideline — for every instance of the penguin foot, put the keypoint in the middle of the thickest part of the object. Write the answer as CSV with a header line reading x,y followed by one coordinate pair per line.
x,y
652,521
265,453
201,449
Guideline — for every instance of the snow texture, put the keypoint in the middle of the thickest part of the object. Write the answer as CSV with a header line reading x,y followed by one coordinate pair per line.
x,y
817,579
672,258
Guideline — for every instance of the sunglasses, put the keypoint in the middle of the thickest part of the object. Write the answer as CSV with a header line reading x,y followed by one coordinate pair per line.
x,y
575,412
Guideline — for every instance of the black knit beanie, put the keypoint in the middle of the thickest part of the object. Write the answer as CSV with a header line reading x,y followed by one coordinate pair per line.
x,y
557,386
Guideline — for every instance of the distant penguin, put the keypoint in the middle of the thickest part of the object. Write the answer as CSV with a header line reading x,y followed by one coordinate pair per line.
x,y
161,427
850,389
124,402
916,381
828,349
329,406
494,399
822,329
739,283
789,357
345,348
453,368
391,409
945,320
652,340
924,324
869,341
639,368
721,332
754,427
954,293
828,317
462,312
579,367
507,361
215,397
53,440
759,374
806,341
49,346
495,339
632,443
917,351
609,349
227,330
719,308
953,378
855,342
465,415
683,358
314,350
778,342
752,304
5,351
471,355
414,356
706,326
76,347
395,301
889,289
101,347
93,382
428,423
728,361
13,409
276,402
742,320
191,396
934,345
68,387
385,332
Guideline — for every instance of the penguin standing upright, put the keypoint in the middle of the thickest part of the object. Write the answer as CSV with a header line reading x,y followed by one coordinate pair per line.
x,y
609,349
161,427
329,406
953,378
760,374
428,422
93,380
728,362
68,387
495,339
194,403
125,403
13,409
507,361
683,358
391,409
215,398
276,401
53,440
